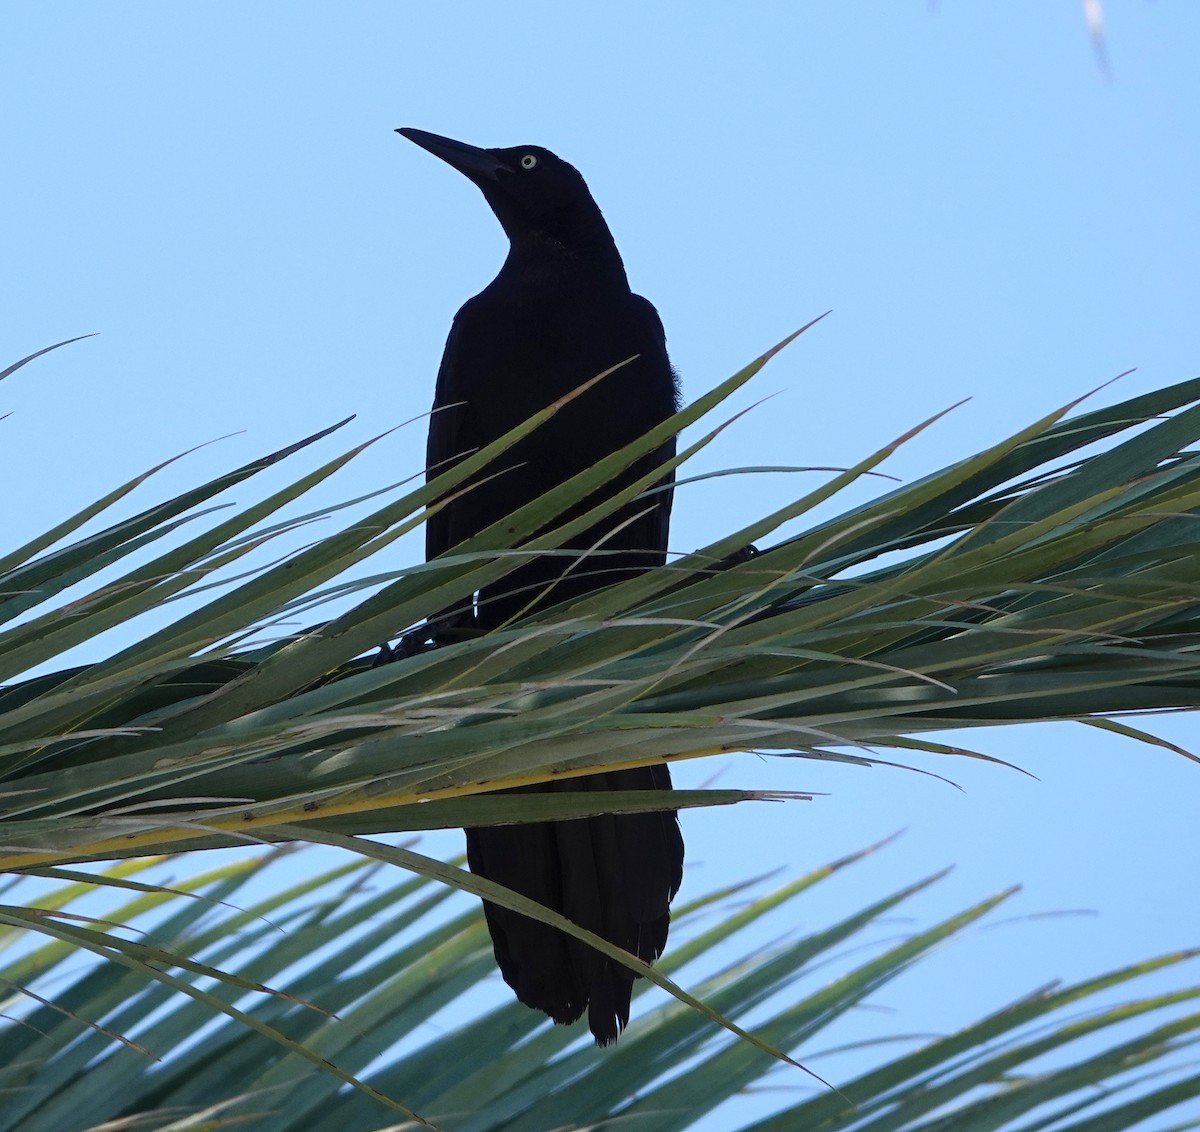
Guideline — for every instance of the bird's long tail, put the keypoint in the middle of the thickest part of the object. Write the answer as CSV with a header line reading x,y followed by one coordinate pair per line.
x,y
614,874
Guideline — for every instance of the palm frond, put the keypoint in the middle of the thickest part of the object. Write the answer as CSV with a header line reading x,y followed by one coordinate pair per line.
x,y
1052,576
357,969
1024,583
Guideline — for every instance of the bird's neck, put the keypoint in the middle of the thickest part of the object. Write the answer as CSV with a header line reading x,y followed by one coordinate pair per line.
x,y
591,256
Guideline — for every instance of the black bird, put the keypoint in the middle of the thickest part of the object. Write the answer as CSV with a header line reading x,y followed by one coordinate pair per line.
x,y
559,312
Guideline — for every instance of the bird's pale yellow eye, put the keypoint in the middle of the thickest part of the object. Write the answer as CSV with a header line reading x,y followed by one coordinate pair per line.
x,y
528,161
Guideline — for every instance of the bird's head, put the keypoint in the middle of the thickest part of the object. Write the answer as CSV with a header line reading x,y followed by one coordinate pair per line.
x,y
533,193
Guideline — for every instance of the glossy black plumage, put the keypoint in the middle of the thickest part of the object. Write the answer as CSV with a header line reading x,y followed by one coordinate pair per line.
x,y
559,312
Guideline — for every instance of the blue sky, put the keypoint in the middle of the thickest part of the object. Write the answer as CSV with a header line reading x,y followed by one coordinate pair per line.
x,y
217,191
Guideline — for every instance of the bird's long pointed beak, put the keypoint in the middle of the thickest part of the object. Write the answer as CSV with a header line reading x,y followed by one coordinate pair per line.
x,y
471,161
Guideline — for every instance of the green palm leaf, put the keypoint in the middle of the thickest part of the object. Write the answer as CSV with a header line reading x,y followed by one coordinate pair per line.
x,y
1038,580
346,968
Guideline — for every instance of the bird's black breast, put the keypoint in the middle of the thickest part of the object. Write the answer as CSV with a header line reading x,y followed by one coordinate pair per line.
x,y
517,347
515,353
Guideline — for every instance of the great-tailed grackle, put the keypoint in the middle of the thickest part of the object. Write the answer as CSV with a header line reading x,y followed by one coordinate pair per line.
x,y
559,312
